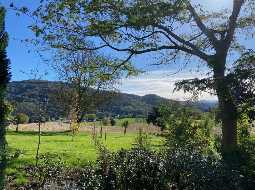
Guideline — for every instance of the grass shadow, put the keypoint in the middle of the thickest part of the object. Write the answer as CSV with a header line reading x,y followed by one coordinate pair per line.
x,y
33,133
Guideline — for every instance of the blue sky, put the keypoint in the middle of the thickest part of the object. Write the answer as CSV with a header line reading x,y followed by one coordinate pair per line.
x,y
157,80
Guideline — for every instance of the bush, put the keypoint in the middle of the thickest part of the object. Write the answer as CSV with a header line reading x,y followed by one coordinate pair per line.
x,y
140,168
89,179
185,132
91,117
189,169
22,118
113,122
125,125
105,121
49,170
142,140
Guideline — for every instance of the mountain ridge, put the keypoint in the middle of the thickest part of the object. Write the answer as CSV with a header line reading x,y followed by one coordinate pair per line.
x,y
24,94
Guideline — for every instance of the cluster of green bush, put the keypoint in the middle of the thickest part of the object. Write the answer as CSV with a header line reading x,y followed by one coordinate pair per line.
x,y
141,168
108,121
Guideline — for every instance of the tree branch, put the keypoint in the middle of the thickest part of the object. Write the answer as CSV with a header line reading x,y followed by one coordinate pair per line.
x,y
233,22
209,34
195,49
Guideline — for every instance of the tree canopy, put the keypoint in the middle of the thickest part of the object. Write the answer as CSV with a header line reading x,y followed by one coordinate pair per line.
x,y
4,79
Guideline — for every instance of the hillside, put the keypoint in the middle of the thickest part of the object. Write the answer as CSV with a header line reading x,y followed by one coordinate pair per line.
x,y
26,95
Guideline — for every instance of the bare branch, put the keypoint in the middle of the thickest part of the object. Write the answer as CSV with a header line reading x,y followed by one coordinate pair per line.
x,y
195,50
233,22
202,26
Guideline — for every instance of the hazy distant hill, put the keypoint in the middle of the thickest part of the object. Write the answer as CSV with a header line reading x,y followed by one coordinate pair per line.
x,y
25,94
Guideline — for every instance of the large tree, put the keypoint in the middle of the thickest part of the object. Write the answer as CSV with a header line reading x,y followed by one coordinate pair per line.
x,y
4,79
89,80
172,27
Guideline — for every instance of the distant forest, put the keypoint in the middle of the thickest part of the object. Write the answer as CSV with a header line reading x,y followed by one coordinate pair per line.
x,y
26,95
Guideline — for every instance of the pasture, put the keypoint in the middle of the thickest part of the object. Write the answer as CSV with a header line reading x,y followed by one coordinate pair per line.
x,y
77,151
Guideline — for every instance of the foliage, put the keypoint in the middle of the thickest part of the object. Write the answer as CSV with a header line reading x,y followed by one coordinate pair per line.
x,y
244,127
184,131
4,80
143,140
125,124
163,115
105,121
48,170
21,118
137,168
86,77
91,117
160,116
240,79
140,168
189,169
245,160
113,122
89,179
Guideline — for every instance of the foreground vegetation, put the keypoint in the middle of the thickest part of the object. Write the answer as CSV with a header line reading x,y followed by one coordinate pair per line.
x,y
138,167
75,152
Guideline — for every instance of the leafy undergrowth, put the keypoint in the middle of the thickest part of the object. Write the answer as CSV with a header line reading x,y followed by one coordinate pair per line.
x,y
137,168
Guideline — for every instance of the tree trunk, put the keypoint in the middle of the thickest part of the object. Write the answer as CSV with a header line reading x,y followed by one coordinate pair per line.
x,y
228,110
125,130
38,144
101,129
17,127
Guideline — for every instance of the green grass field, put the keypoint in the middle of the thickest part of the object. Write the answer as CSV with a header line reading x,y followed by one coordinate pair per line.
x,y
76,152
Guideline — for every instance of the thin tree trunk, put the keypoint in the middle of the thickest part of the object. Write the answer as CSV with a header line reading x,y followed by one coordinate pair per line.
x,y
101,129
105,134
39,143
94,128
17,127
125,130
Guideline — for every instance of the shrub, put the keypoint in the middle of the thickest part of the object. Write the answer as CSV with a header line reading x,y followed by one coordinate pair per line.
x,y
113,122
142,140
125,125
105,121
185,132
22,118
89,179
91,117
138,169
49,168
189,169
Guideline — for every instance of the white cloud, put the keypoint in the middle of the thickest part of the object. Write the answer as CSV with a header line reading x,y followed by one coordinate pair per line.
x,y
161,83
